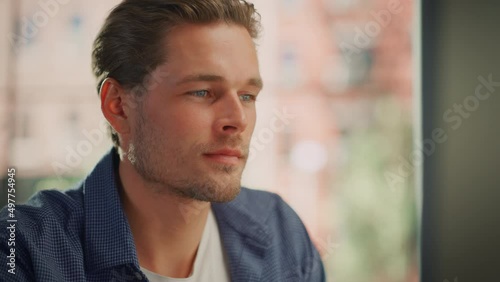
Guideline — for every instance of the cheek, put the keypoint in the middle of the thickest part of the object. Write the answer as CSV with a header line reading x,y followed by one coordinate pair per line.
x,y
185,123
252,119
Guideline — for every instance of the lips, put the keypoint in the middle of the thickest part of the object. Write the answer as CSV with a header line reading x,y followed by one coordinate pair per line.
x,y
225,156
227,152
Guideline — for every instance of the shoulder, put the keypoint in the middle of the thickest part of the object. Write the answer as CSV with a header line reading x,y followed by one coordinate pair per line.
x,y
45,220
49,221
46,207
45,212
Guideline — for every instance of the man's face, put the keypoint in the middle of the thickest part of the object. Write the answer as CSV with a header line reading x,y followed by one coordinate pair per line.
x,y
190,134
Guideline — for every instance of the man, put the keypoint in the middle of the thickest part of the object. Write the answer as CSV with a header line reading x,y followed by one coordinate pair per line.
x,y
178,82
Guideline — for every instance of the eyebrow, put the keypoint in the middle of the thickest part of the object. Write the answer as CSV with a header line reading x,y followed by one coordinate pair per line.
x,y
257,82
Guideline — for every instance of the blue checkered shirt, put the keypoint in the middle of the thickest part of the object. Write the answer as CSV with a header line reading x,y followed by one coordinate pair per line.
x,y
82,234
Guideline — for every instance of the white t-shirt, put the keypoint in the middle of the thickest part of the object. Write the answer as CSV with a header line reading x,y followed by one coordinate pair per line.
x,y
210,263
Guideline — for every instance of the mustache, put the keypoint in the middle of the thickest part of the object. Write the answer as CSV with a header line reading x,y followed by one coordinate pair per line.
x,y
234,142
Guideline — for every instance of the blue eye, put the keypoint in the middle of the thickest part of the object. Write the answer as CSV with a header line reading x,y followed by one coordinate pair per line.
x,y
247,98
200,93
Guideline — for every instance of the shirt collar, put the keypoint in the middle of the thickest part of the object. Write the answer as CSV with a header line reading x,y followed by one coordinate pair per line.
x,y
237,216
243,229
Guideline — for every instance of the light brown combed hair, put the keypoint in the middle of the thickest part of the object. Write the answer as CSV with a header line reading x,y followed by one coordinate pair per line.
x,y
130,44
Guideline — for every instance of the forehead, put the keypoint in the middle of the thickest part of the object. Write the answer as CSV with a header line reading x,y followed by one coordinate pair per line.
x,y
221,49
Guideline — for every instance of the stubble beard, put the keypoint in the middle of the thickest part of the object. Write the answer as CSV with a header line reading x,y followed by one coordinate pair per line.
x,y
168,172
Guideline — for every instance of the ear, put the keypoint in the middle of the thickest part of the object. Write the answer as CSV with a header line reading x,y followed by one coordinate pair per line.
x,y
113,105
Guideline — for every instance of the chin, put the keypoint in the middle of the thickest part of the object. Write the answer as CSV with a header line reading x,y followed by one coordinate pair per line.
x,y
228,197
223,193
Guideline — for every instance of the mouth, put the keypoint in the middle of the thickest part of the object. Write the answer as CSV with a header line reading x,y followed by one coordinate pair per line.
x,y
225,156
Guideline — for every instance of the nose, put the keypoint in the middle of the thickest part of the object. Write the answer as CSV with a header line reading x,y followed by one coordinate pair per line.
x,y
231,115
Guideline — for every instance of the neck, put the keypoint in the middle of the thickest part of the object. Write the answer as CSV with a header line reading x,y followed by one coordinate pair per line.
x,y
167,229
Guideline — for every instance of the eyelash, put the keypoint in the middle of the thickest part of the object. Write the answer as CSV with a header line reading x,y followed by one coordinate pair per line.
x,y
251,97
198,91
